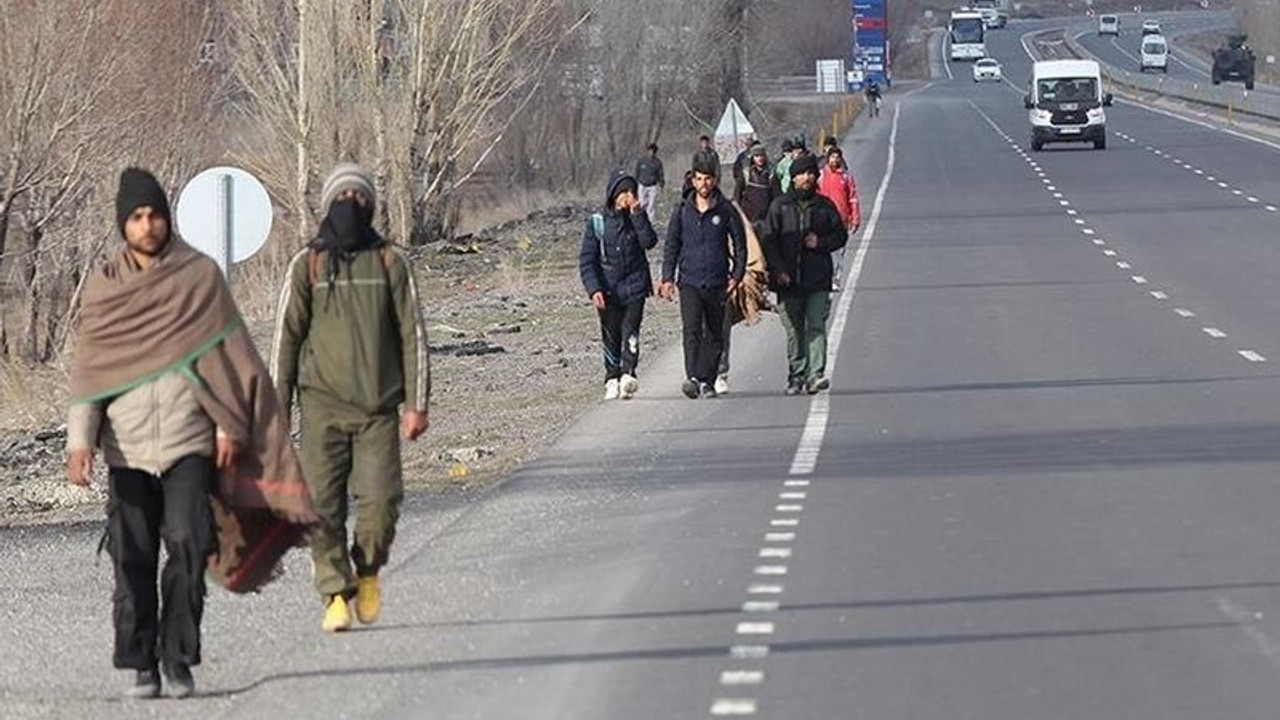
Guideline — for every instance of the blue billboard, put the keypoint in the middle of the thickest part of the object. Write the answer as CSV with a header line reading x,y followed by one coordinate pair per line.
x,y
870,53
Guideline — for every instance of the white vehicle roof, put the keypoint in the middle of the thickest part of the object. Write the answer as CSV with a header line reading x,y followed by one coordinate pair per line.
x,y
1065,69
988,61
1154,39
966,15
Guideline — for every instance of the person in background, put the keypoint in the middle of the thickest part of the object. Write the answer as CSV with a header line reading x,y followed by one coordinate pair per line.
x,y
651,178
837,185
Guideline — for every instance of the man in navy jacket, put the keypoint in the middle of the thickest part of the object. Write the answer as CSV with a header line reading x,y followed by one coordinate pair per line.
x,y
698,257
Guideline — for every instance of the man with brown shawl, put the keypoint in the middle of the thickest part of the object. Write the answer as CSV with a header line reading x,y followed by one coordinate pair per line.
x,y
167,384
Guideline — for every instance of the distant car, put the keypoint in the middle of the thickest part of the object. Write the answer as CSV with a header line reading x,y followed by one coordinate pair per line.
x,y
1155,54
987,69
1108,25
1150,27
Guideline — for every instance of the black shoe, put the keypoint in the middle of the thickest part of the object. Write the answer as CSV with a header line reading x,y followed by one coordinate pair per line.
x,y
690,389
146,685
179,680
794,387
818,384
706,391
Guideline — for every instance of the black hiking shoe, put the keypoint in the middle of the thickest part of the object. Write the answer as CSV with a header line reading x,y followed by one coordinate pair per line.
x,y
179,680
794,387
706,391
146,685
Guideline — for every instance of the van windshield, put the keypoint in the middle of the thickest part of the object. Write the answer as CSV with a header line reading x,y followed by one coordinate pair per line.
x,y
1060,90
1154,48
1109,20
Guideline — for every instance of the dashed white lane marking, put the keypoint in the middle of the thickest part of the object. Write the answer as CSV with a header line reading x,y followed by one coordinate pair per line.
x,y
1237,192
789,508
749,652
1211,178
784,522
762,589
776,553
754,628
733,706
1064,203
1123,265
760,606
1199,172
796,483
1052,189
1252,199
780,537
1140,279
1184,312
1109,253
1271,208
1086,231
793,495
1099,241
1073,212
1058,195
1252,356
1213,332
741,677
1159,295
1222,185
771,570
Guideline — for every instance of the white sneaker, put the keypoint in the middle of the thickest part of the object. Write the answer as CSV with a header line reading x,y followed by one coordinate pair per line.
x,y
722,384
611,389
628,386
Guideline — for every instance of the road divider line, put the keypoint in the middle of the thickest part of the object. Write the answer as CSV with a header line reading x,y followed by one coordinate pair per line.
x,y
726,707
1252,356
806,458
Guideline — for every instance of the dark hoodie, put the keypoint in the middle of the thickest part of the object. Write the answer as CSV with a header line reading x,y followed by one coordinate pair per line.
x,y
615,263
790,218
698,243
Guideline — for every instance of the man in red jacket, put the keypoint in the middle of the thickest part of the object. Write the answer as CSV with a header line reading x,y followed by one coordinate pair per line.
x,y
837,185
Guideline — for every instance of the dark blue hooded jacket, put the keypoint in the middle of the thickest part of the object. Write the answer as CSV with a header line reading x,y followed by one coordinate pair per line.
x,y
697,248
614,262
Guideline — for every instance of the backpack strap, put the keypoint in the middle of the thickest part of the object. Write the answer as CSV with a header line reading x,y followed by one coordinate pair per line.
x,y
597,227
315,261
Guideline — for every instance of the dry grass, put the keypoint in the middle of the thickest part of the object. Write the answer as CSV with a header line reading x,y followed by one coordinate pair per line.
x,y
31,396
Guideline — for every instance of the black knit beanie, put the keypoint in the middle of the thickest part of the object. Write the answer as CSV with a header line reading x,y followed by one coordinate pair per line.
x,y
804,164
139,188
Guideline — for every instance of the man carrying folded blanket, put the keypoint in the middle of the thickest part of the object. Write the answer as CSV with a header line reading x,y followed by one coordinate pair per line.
x,y
168,385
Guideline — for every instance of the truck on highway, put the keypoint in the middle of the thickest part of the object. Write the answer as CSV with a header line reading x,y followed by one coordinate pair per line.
x,y
1234,61
1065,103
966,33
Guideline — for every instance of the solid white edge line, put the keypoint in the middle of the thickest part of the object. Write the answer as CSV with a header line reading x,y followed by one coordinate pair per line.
x,y
806,457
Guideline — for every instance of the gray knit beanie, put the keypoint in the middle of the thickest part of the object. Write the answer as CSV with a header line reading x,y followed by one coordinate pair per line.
x,y
347,176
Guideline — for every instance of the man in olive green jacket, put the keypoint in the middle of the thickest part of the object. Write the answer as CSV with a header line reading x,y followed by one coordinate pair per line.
x,y
350,341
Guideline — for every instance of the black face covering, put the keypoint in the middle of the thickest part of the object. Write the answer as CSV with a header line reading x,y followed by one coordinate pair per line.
x,y
346,230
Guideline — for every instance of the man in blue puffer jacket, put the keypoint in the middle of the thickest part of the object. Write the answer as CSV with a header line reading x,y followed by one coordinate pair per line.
x,y
615,273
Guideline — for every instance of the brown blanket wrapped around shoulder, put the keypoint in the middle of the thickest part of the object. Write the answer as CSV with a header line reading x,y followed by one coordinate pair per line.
x,y
751,297
179,316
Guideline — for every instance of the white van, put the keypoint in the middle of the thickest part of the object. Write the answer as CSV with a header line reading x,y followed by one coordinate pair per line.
x,y
1066,103
1108,24
1155,54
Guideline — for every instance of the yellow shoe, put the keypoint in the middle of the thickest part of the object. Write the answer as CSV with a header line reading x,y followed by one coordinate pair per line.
x,y
337,617
368,599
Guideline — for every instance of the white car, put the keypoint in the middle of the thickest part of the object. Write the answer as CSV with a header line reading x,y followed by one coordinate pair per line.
x,y
1150,27
1108,25
987,69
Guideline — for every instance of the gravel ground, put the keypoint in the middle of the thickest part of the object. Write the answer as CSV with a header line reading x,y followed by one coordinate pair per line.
x,y
515,357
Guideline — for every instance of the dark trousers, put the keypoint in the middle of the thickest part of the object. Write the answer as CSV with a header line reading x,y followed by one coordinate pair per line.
x,y
725,337
620,333
702,314
142,509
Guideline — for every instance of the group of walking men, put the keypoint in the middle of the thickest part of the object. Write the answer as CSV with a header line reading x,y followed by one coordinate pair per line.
x,y
169,388
802,210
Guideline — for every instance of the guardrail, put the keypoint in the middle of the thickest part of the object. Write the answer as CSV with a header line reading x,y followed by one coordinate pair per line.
x,y
1230,97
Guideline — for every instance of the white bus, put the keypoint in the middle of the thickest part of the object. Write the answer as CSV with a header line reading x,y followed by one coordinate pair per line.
x,y
966,33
